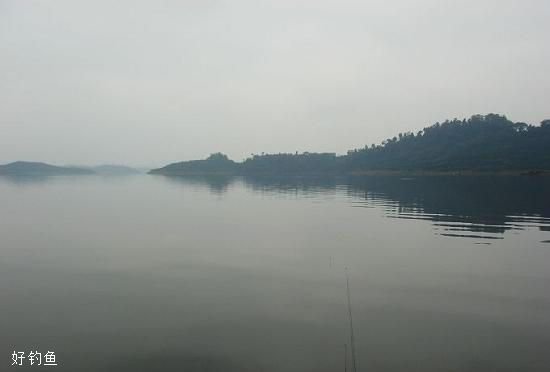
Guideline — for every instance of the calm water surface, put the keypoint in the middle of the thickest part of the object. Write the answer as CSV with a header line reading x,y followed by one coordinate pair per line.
x,y
148,273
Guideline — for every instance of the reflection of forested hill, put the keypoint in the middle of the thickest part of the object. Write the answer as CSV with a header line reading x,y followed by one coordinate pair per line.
x,y
456,204
492,204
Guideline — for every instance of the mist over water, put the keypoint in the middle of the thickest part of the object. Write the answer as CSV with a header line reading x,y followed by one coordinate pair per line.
x,y
150,273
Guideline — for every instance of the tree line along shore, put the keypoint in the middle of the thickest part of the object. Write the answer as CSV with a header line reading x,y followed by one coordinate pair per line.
x,y
481,144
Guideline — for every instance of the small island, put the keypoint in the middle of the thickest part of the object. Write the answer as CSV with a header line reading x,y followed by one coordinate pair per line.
x,y
38,169
481,144
26,168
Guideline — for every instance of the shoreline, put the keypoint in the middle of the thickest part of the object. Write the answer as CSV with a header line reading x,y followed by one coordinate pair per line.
x,y
396,173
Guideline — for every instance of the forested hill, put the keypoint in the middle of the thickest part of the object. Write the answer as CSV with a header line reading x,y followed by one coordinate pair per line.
x,y
489,142
481,143
215,164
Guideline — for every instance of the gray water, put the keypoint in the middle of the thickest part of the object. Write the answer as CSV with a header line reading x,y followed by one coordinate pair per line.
x,y
148,273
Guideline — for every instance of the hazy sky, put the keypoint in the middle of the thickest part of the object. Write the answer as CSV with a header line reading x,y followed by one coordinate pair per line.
x,y
151,82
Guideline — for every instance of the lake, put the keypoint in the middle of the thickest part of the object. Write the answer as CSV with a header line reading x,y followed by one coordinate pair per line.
x,y
150,273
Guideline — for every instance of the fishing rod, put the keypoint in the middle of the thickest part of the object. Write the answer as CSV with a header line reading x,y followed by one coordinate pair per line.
x,y
352,335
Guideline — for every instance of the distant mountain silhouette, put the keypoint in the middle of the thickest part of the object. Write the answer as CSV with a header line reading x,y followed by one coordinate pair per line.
x,y
483,143
24,168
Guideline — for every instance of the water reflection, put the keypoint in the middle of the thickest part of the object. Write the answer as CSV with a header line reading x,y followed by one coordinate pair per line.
x,y
465,207
151,273
16,180
177,362
216,184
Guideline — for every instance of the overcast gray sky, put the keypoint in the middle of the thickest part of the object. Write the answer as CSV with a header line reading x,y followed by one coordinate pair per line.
x,y
151,82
